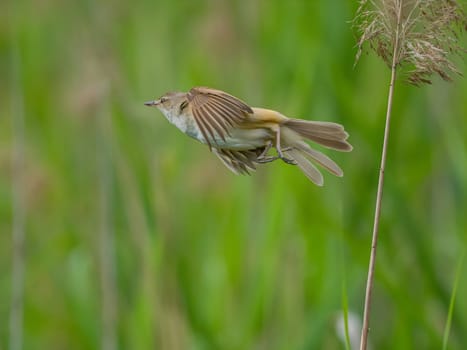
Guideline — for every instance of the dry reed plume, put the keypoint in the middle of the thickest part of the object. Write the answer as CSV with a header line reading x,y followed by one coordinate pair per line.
x,y
415,38
417,34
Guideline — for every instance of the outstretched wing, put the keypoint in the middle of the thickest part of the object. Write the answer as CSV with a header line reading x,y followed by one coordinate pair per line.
x,y
240,162
216,112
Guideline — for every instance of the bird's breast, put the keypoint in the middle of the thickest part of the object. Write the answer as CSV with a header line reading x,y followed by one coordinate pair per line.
x,y
184,122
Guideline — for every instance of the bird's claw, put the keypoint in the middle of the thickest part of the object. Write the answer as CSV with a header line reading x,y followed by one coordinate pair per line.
x,y
264,159
289,160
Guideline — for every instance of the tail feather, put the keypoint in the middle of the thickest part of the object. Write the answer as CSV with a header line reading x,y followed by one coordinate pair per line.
x,y
306,166
327,134
320,158
331,135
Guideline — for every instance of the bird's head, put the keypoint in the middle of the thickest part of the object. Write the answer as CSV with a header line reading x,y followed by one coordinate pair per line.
x,y
170,103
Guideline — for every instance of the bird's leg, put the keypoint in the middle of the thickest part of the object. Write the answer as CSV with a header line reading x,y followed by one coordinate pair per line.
x,y
262,158
266,149
280,150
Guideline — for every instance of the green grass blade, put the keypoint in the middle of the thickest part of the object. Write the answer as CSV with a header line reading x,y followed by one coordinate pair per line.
x,y
447,328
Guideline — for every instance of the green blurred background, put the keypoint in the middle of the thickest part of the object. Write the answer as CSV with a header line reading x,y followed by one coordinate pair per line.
x,y
136,237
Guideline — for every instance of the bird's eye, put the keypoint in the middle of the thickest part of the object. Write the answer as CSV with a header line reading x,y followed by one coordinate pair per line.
x,y
183,105
163,99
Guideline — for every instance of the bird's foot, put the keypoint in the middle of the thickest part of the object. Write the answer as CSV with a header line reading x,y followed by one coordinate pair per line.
x,y
263,159
267,159
290,161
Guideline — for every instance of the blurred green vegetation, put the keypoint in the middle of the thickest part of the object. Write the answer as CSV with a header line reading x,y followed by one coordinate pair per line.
x,y
130,221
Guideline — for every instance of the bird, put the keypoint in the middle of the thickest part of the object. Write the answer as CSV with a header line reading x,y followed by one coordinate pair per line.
x,y
242,136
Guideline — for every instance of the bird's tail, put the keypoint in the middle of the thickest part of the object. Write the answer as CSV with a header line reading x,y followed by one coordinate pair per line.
x,y
327,134
330,135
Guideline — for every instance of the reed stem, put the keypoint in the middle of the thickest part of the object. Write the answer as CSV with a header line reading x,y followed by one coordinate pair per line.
x,y
18,208
379,195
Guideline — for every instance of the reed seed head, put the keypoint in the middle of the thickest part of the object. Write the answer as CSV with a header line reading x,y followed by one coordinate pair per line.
x,y
417,35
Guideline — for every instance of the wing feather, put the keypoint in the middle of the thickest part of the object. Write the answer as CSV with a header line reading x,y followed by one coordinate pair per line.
x,y
239,162
203,127
216,112
211,123
218,125
229,114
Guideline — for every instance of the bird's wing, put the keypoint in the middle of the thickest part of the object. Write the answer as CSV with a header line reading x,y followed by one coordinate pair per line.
x,y
216,112
240,162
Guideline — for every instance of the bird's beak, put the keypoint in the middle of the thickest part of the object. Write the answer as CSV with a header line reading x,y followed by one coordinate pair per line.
x,y
151,103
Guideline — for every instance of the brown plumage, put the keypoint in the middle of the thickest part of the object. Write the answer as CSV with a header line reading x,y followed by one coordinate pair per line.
x,y
241,136
216,112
